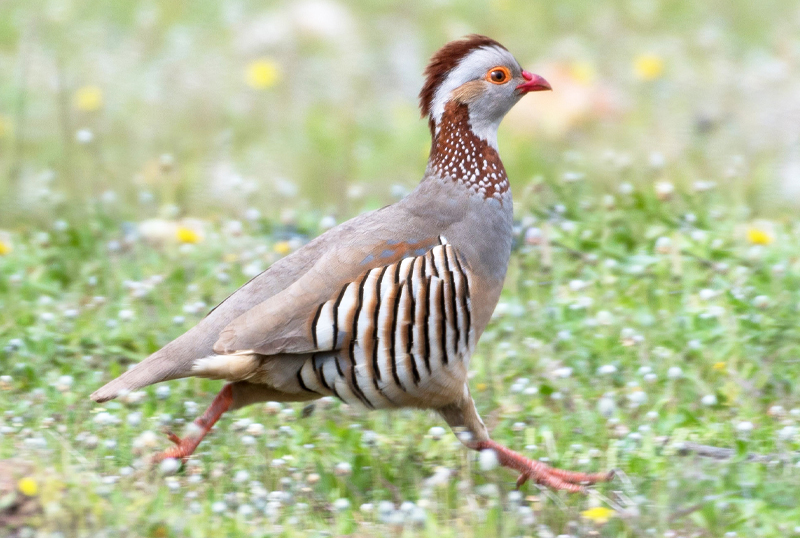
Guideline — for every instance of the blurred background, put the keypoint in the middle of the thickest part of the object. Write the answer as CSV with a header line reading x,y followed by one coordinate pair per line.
x,y
156,155
210,109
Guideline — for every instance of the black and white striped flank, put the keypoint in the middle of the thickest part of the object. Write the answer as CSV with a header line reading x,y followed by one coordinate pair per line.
x,y
392,332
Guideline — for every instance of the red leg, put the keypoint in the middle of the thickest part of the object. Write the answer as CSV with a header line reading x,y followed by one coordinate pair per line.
x,y
185,447
574,482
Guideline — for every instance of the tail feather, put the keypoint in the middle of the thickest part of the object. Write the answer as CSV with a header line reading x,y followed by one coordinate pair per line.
x,y
173,361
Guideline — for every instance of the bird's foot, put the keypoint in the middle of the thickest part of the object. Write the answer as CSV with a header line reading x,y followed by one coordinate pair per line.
x,y
557,479
560,479
185,447
181,451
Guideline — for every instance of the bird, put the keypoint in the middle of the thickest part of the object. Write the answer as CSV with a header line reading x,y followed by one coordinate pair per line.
x,y
384,310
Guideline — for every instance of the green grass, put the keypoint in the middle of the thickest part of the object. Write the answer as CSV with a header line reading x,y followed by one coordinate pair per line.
x,y
637,322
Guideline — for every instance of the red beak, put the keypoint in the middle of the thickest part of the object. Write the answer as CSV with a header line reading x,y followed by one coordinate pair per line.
x,y
533,83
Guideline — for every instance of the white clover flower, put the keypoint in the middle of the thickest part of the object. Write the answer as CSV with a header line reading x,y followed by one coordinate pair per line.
x,y
342,504
638,397
64,383
698,236
441,477
581,303
84,136
255,429
607,369
563,372
703,185
787,433
135,397
103,419
241,424
709,400
761,301
533,236
273,408
169,466
744,427
252,214
606,406
162,392
604,317
657,160
577,285
663,245
706,294
343,469
327,222
369,438
487,459
776,411
134,419
664,190
436,432
674,372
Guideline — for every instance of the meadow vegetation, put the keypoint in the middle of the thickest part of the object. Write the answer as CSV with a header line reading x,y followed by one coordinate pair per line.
x,y
155,156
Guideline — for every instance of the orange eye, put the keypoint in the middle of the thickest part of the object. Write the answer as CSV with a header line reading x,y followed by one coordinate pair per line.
x,y
498,75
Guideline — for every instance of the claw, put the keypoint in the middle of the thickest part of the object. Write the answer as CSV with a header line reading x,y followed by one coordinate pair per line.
x,y
174,438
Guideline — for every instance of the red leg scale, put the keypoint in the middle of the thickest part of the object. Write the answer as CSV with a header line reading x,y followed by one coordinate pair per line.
x,y
185,447
557,479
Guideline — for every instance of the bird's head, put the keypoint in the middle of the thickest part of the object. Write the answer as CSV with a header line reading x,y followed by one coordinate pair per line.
x,y
479,73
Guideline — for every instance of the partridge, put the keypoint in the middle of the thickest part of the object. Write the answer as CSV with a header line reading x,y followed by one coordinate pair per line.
x,y
384,310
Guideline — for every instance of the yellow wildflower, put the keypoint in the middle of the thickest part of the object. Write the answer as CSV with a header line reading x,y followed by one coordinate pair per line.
x,y
648,66
187,235
28,486
282,247
759,236
599,514
5,247
481,386
89,98
719,366
582,72
262,74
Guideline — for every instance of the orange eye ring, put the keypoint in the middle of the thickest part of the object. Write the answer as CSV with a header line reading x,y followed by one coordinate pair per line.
x,y
498,75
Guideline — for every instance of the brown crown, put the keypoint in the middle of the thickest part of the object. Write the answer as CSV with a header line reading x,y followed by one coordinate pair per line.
x,y
445,59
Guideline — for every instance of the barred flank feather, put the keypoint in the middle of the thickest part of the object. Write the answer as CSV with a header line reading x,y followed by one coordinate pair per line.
x,y
393,331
